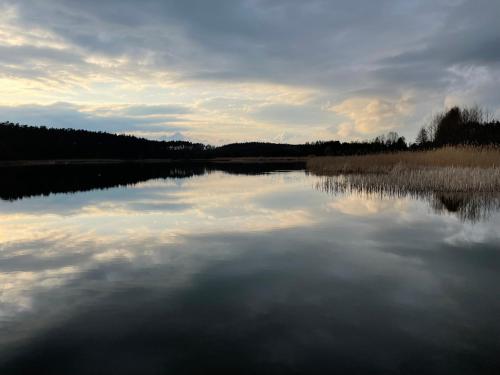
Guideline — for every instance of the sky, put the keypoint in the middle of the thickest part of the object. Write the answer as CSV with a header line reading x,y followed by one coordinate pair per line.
x,y
225,71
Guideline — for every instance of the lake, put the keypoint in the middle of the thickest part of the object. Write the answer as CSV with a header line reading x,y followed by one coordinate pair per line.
x,y
240,269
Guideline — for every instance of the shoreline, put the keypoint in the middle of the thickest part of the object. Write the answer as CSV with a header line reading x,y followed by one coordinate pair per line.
x,y
90,162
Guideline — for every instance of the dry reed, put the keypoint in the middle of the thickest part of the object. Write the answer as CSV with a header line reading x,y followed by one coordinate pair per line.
x,y
469,157
450,179
463,179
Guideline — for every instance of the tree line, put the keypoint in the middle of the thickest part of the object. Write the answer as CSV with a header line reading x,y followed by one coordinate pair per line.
x,y
23,142
471,126
457,126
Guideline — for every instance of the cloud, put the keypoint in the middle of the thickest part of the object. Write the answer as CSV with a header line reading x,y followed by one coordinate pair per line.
x,y
348,53
293,114
145,110
122,119
290,42
371,116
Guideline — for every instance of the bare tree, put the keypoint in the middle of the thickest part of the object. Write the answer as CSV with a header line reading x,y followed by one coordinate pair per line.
x,y
392,137
422,137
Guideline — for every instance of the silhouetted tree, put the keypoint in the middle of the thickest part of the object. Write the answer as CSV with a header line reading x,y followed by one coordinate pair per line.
x,y
460,126
450,128
456,126
27,142
466,126
391,138
422,137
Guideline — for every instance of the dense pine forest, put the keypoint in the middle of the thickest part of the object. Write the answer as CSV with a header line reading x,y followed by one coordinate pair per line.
x,y
469,126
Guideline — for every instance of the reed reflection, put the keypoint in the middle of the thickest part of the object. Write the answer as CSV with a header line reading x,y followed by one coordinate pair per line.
x,y
467,206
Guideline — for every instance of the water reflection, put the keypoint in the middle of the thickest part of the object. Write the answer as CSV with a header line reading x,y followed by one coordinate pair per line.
x,y
473,207
22,182
244,274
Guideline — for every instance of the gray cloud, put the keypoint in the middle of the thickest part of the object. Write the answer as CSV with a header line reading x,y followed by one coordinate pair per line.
x,y
343,49
66,115
293,115
22,54
469,36
144,110
287,41
309,43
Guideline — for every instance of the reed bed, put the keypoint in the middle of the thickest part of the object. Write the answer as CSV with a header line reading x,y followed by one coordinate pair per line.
x,y
464,180
467,157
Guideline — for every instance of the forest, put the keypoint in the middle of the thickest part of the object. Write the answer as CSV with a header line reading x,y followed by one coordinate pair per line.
x,y
467,126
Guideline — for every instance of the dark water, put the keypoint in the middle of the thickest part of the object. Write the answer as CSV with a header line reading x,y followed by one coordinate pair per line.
x,y
193,270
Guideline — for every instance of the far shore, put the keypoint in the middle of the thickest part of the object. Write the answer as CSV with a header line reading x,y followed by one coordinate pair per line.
x,y
235,160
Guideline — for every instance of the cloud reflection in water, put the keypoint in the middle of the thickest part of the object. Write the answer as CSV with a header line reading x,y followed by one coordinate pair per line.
x,y
244,274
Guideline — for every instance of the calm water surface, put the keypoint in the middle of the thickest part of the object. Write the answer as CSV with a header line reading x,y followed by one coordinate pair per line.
x,y
244,273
